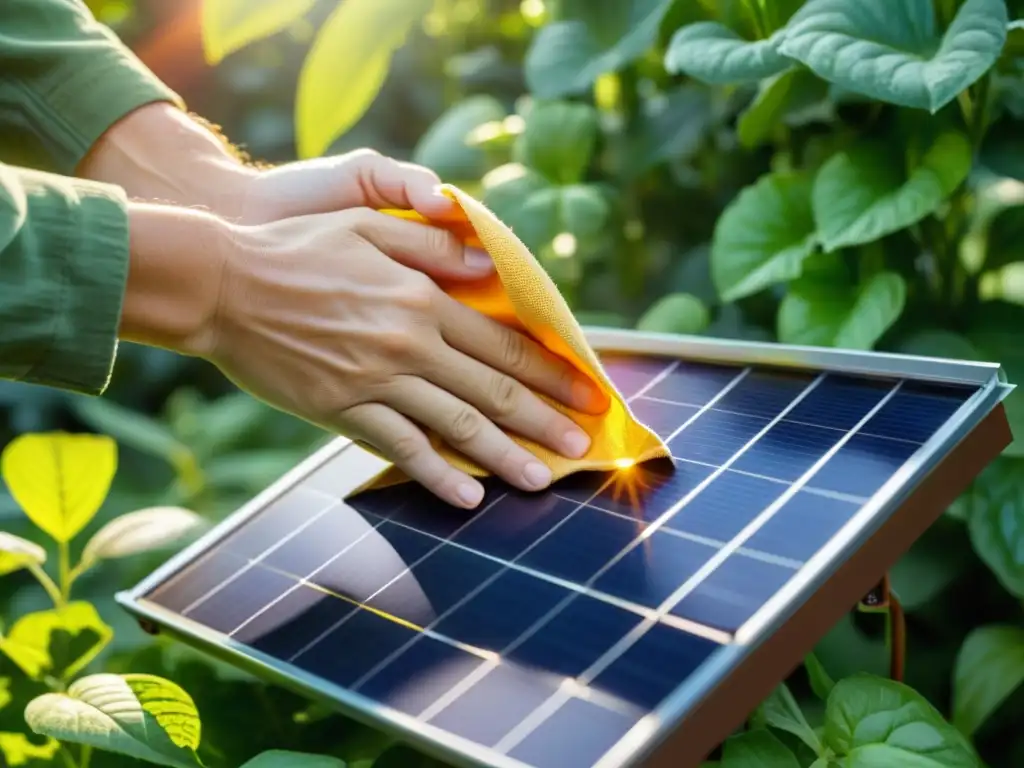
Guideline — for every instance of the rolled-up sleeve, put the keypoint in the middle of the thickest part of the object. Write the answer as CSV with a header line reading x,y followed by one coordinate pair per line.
x,y
64,253
64,80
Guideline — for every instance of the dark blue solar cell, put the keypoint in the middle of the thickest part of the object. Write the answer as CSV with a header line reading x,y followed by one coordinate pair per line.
x,y
327,537
581,546
725,506
631,374
764,393
733,592
787,450
381,502
916,411
502,611
238,599
715,437
581,486
654,569
496,704
435,585
373,562
413,505
196,579
655,665
354,647
514,522
577,636
279,519
420,675
863,465
648,491
663,418
840,401
802,525
284,628
576,736
693,383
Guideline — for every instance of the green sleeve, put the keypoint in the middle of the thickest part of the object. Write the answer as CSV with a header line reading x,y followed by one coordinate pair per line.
x,y
63,267
64,80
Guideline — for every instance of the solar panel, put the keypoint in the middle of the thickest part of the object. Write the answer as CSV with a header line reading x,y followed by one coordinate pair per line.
x,y
618,618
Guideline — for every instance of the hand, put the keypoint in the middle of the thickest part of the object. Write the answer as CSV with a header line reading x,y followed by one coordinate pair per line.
x,y
330,317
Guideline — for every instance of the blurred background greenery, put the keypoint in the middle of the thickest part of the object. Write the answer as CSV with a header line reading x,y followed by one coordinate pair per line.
x,y
723,194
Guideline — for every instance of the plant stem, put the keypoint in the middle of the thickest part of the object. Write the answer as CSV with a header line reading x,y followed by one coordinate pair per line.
x,y
85,757
69,759
65,571
47,583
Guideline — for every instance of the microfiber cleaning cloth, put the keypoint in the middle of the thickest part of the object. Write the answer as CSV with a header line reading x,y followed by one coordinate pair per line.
x,y
520,294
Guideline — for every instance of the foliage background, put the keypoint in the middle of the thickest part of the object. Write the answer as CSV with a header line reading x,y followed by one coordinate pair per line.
x,y
659,200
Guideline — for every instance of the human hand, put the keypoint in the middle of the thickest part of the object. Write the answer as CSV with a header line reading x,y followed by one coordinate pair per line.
x,y
330,317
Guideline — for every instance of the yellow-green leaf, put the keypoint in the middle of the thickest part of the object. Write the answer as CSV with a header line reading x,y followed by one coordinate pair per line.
x,y
59,479
16,749
139,531
142,716
347,65
5,692
17,553
60,641
228,25
279,758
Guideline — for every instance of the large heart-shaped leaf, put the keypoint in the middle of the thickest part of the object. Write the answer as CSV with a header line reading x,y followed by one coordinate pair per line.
x,y
781,710
60,641
875,722
229,25
558,140
17,553
445,147
995,519
763,236
864,193
142,716
713,53
279,758
346,67
567,56
140,531
786,98
989,667
675,313
890,49
58,479
819,313
758,748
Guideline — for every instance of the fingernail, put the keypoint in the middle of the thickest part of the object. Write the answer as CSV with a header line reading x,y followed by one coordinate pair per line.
x,y
470,494
586,395
537,475
478,260
576,442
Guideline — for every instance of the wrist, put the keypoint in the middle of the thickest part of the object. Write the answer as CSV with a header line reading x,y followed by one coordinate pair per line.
x,y
176,266
158,153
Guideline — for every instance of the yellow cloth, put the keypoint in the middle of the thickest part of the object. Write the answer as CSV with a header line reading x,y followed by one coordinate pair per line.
x,y
522,295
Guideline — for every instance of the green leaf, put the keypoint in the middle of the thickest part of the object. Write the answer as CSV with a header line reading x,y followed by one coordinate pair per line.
x,y
989,667
566,57
228,25
675,313
780,710
995,333
763,236
935,342
713,53
17,750
278,758
779,99
133,429
818,677
445,147
60,641
1005,238
875,722
818,313
249,471
558,140
995,520
347,65
757,749
5,692
864,193
672,126
142,716
890,50
141,531
17,553
58,479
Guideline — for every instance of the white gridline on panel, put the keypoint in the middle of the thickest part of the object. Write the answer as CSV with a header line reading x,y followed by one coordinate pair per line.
x,y
534,720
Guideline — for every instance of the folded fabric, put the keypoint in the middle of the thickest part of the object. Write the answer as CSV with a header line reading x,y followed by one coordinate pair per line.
x,y
520,294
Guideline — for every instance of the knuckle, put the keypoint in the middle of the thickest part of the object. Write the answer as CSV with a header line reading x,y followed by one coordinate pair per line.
x,y
504,396
395,343
406,449
419,293
441,242
465,426
514,352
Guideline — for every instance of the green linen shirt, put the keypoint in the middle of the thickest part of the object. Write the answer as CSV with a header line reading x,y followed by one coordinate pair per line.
x,y
64,80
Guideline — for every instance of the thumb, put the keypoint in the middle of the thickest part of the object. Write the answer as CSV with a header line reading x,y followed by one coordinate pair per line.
x,y
425,248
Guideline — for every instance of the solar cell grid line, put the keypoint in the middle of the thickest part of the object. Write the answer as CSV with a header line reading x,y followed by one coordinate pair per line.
x,y
515,737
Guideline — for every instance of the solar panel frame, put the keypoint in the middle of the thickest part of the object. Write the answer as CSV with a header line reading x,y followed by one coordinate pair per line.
x,y
659,737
